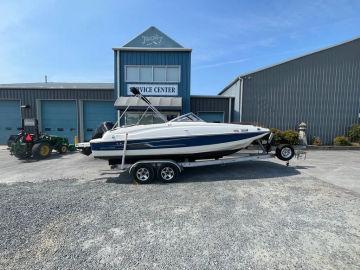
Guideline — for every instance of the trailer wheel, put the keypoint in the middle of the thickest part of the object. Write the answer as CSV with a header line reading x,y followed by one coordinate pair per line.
x,y
41,150
143,173
167,172
63,149
285,152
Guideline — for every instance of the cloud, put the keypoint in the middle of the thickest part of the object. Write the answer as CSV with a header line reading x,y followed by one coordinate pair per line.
x,y
220,64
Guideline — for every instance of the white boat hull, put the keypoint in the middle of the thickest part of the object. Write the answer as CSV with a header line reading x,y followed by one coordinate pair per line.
x,y
228,146
179,140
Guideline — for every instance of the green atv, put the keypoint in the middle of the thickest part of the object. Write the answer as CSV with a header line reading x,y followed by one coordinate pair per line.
x,y
28,145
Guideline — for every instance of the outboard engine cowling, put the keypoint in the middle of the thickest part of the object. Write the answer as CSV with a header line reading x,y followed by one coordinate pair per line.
x,y
99,131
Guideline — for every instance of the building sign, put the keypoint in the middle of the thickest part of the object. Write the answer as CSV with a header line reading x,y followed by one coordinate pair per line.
x,y
152,40
155,89
29,122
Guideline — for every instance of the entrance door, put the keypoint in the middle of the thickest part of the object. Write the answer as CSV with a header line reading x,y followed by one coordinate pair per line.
x,y
131,118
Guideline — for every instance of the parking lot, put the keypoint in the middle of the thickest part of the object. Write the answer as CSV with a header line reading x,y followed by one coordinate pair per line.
x,y
72,212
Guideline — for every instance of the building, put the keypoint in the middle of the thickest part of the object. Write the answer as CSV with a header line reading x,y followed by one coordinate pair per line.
x,y
161,68
156,64
321,89
63,109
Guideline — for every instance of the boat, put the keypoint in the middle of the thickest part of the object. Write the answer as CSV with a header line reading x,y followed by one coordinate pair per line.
x,y
186,137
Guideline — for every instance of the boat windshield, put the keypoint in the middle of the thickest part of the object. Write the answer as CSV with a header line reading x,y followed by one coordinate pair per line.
x,y
189,117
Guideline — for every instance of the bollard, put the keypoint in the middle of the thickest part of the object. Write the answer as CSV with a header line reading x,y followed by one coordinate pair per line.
x,y
302,134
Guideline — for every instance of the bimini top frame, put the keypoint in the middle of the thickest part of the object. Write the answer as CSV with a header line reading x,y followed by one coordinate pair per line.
x,y
137,94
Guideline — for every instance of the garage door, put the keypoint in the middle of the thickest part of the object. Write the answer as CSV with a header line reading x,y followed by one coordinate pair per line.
x,y
10,119
214,117
96,112
59,117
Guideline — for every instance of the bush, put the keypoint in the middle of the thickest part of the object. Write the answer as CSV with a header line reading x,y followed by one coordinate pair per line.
x,y
341,141
354,133
285,137
316,141
291,136
277,135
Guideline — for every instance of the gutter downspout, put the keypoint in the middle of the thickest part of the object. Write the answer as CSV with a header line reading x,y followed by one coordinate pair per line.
x,y
118,81
230,110
241,90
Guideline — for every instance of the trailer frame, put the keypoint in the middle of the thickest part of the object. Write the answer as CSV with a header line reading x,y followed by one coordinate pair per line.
x,y
153,167
144,171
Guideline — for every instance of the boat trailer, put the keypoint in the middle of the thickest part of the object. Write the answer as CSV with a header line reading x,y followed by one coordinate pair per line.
x,y
167,170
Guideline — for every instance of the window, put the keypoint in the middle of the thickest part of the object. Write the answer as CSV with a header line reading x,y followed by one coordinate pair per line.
x,y
132,74
172,74
145,74
132,118
159,74
152,73
189,117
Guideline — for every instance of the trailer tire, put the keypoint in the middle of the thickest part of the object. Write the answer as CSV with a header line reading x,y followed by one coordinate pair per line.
x,y
143,173
285,152
41,150
167,172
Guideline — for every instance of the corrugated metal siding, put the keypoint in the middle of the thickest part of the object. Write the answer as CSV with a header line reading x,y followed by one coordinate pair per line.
x,y
208,104
234,91
321,89
160,58
29,96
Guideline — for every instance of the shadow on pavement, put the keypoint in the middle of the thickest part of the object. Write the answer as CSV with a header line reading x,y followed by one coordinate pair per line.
x,y
301,167
54,155
249,170
242,171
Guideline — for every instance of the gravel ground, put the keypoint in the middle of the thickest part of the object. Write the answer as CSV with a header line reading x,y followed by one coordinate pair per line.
x,y
76,214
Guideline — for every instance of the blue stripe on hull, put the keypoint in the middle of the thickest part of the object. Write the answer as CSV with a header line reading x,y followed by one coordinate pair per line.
x,y
190,141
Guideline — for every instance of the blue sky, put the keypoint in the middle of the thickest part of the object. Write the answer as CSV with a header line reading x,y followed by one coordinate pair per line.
x,y
71,41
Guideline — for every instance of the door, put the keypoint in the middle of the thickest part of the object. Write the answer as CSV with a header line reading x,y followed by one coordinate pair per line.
x,y
59,118
96,112
212,117
10,119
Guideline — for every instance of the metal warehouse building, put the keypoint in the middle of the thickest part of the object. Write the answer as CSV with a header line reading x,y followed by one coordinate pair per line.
x,y
63,109
321,89
156,64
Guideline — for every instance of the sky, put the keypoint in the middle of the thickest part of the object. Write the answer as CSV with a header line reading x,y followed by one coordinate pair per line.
x,y
72,41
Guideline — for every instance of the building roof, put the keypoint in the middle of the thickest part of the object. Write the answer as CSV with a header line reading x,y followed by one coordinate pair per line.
x,y
152,39
285,61
209,96
58,85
